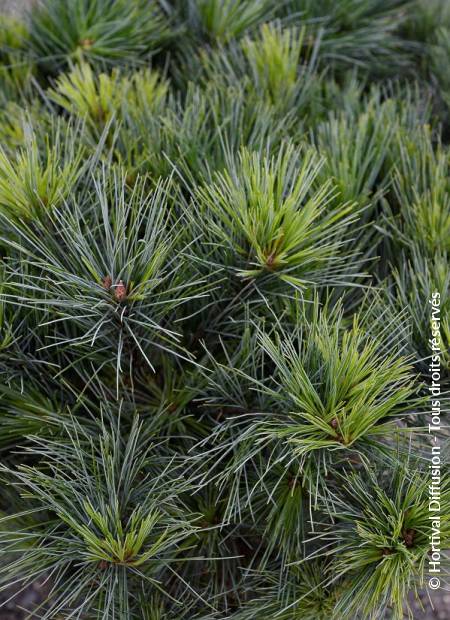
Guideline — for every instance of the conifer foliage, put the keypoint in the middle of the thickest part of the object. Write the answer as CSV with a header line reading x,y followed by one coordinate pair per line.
x,y
221,224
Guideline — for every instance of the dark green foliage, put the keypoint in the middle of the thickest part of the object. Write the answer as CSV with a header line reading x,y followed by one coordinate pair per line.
x,y
267,221
113,277
223,20
381,537
111,516
304,418
101,31
364,33
222,223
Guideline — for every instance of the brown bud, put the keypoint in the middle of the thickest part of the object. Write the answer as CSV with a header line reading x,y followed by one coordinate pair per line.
x,y
408,537
334,423
271,261
120,291
106,282
292,482
103,564
86,43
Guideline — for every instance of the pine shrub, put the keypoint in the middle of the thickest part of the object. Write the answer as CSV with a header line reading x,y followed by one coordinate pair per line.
x,y
221,227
